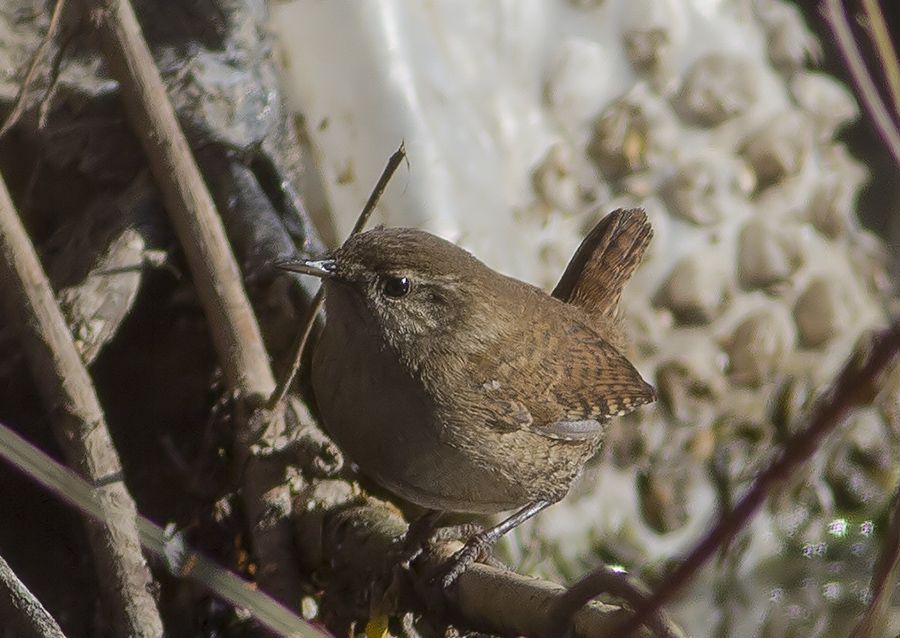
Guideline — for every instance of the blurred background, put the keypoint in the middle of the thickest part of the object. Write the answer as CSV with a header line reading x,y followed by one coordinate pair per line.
x,y
773,198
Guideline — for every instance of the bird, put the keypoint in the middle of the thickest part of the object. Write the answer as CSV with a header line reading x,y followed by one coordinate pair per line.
x,y
463,390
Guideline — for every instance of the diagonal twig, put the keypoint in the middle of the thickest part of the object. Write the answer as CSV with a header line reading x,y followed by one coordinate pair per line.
x,y
79,425
303,336
884,579
74,490
837,19
856,385
37,63
233,326
610,581
22,613
887,55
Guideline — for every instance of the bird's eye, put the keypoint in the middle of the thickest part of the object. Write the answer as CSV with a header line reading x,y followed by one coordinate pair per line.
x,y
395,286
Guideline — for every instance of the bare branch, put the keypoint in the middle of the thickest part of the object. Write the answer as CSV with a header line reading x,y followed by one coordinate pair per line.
x,y
235,332
316,305
884,578
230,587
195,219
37,64
79,425
21,611
887,55
837,19
298,348
856,385
351,538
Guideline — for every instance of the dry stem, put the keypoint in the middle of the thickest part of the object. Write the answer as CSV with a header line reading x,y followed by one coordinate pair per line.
x,y
887,55
856,385
316,305
71,488
79,425
22,612
37,64
837,19
235,332
884,579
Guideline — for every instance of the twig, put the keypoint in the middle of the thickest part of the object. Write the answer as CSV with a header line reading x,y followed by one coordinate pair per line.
x,y
111,236
37,62
223,583
619,584
21,612
115,233
887,55
837,19
298,348
856,385
884,579
390,168
316,305
235,332
509,604
216,276
79,425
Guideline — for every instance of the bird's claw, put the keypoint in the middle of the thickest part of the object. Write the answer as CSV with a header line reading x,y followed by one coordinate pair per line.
x,y
477,548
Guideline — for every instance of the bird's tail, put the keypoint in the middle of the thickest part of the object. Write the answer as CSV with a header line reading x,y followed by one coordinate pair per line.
x,y
605,261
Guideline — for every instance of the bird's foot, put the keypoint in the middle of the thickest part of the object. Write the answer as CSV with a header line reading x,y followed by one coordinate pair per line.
x,y
424,534
477,549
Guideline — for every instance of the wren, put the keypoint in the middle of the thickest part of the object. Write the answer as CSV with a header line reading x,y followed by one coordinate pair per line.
x,y
464,390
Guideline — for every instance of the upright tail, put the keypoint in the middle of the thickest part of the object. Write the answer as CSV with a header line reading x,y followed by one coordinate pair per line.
x,y
605,261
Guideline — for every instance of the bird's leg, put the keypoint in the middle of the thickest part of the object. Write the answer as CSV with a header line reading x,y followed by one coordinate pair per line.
x,y
417,536
479,544
421,528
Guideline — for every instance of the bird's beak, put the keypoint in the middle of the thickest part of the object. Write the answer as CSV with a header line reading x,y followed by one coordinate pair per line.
x,y
321,268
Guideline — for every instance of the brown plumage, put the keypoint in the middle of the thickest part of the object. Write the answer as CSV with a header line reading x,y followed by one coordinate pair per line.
x,y
461,389
605,261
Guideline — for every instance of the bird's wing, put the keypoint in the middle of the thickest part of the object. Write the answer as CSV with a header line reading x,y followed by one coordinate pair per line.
x,y
604,262
564,388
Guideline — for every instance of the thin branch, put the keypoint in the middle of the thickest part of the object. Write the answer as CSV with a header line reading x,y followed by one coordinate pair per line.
x,y
837,19
884,579
620,584
856,385
235,331
22,613
509,604
37,63
316,305
230,587
298,348
200,232
392,164
79,425
887,55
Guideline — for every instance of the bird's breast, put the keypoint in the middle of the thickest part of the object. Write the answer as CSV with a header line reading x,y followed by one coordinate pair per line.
x,y
389,425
